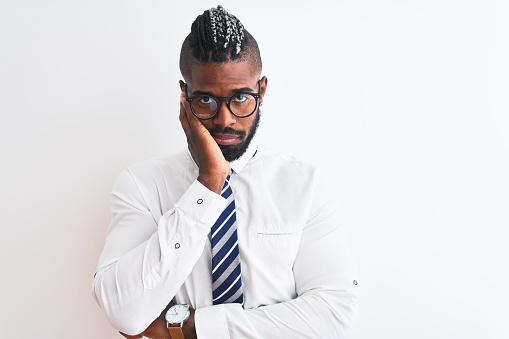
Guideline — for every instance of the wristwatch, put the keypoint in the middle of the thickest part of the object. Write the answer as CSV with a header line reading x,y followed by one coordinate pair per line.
x,y
175,317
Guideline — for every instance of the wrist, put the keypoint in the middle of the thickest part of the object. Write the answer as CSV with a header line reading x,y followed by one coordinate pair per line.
x,y
176,317
213,182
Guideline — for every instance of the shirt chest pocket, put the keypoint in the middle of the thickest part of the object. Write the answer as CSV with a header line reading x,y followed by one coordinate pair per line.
x,y
277,236
274,247
268,236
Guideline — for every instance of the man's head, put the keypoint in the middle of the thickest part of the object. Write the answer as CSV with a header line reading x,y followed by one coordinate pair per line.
x,y
221,59
218,36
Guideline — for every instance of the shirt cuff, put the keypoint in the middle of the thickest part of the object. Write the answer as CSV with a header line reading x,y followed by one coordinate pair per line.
x,y
202,204
210,322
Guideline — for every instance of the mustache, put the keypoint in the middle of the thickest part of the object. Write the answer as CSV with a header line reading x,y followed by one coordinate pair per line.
x,y
227,130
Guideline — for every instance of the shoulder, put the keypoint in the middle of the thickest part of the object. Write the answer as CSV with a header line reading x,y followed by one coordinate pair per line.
x,y
172,162
164,169
283,163
283,170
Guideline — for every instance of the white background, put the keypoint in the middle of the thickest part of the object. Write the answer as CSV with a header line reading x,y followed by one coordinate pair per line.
x,y
406,102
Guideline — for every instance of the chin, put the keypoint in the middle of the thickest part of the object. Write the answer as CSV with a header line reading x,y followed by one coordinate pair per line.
x,y
233,152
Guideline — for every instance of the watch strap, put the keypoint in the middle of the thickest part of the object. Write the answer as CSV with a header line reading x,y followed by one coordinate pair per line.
x,y
176,332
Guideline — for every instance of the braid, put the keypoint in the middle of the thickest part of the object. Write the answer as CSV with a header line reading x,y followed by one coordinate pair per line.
x,y
200,34
218,36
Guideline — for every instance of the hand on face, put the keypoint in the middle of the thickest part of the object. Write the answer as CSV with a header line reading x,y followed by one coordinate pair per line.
x,y
213,167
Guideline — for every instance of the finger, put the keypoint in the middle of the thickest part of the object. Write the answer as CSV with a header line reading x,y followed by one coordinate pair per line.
x,y
185,108
131,336
195,124
184,120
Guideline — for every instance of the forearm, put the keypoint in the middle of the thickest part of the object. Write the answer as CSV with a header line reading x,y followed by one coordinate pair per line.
x,y
143,263
316,314
133,290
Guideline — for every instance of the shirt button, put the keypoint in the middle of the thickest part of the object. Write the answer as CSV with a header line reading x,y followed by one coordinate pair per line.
x,y
177,245
355,282
199,201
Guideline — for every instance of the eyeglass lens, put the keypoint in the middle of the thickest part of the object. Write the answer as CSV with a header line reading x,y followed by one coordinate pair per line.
x,y
205,106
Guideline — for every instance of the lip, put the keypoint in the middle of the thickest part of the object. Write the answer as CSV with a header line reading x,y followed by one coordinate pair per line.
x,y
226,139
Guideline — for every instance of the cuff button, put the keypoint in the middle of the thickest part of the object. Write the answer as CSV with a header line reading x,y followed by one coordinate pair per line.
x,y
199,201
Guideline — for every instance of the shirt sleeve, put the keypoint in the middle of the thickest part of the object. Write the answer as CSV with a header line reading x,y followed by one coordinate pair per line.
x,y
145,261
325,281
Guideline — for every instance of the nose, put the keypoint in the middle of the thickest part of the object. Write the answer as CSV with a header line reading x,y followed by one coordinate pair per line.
x,y
224,117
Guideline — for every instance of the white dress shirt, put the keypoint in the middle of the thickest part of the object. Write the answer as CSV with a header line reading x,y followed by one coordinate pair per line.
x,y
298,276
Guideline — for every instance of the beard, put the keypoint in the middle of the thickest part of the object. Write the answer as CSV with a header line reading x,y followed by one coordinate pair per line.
x,y
234,152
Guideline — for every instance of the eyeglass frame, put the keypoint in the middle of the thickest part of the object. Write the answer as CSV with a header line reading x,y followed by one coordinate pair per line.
x,y
228,101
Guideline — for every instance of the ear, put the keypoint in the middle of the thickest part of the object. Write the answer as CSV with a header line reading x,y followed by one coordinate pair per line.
x,y
182,93
263,88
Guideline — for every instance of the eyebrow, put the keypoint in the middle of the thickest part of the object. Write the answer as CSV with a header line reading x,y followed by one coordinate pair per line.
x,y
236,91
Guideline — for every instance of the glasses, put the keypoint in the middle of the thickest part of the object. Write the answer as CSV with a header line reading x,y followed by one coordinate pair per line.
x,y
241,104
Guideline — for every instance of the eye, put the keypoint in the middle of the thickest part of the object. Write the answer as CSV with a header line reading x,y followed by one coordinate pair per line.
x,y
205,100
240,98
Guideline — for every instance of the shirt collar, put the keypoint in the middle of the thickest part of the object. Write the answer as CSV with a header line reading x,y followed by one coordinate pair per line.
x,y
240,163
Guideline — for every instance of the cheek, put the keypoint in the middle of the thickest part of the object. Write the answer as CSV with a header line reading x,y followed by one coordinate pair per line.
x,y
247,124
208,124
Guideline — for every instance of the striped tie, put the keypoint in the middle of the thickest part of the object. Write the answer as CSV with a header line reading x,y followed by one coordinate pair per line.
x,y
226,280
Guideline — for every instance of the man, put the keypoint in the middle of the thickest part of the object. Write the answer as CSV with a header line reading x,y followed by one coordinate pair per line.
x,y
251,241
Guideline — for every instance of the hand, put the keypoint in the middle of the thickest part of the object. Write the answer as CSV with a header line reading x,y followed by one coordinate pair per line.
x,y
189,329
131,336
213,167
156,330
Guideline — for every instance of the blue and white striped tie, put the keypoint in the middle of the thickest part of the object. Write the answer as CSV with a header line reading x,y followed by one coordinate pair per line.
x,y
226,272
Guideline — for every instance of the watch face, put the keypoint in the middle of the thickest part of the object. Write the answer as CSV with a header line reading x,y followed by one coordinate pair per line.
x,y
177,314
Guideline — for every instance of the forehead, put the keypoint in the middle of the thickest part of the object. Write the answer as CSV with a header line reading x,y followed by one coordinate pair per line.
x,y
216,77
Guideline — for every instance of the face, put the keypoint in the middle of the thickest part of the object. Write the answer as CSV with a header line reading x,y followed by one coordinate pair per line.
x,y
231,133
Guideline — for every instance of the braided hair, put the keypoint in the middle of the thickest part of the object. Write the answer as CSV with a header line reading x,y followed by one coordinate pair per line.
x,y
218,36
